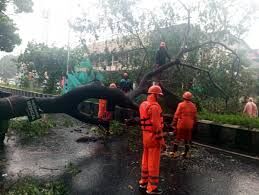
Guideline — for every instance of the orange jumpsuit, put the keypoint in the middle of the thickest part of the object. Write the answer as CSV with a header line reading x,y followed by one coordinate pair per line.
x,y
151,125
184,119
103,114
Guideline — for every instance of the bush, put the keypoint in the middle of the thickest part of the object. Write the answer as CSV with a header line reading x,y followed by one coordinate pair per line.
x,y
33,187
72,169
31,129
116,128
134,139
232,119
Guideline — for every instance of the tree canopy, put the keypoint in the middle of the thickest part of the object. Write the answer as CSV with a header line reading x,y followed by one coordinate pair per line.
x,y
206,36
53,60
9,38
8,66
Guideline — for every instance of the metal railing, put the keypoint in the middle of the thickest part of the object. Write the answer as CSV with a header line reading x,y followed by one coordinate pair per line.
x,y
24,92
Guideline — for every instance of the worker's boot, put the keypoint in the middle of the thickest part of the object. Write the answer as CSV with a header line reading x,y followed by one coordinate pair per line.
x,y
155,191
106,125
187,153
175,153
143,186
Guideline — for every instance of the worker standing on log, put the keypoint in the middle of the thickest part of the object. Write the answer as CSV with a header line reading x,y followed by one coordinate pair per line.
x,y
161,56
153,141
184,120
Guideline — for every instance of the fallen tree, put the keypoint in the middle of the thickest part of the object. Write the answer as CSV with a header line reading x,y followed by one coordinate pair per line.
x,y
69,103
15,106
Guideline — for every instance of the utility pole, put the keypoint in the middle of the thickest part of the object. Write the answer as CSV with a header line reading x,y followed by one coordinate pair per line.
x,y
68,45
45,16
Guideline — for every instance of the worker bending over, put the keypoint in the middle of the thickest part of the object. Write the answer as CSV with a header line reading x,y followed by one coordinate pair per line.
x,y
184,119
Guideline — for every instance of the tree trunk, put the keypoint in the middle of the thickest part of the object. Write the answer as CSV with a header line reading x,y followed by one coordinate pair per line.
x,y
15,106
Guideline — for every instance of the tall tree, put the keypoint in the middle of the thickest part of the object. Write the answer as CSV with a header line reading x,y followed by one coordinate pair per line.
x,y
53,60
204,35
8,67
9,38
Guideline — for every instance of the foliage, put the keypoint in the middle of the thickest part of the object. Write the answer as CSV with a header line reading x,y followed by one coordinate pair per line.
x,y
232,119
136,33
32,129
8,36
72,169
133,134
68,122
34,187
112,77
8,66
53,60
134,139
116,128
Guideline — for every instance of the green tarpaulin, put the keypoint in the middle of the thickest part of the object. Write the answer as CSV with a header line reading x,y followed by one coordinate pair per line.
x,y
84,73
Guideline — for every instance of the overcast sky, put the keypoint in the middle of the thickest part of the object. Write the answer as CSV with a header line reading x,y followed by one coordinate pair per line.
x,y
54,30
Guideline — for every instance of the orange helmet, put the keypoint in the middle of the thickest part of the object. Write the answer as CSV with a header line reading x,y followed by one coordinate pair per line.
x,y
113,85
187,95
155,89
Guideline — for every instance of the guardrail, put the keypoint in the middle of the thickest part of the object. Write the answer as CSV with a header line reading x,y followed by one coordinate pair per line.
x,y
24,92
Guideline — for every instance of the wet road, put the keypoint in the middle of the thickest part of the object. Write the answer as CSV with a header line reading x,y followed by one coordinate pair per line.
x,y
111,169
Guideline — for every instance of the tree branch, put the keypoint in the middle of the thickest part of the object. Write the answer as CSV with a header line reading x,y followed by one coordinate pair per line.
x,y
142,88
235,62
209,76
187,32
141,68
186,50
143,85
184,6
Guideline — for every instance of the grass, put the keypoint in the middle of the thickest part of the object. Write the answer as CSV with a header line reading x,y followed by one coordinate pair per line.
x,y
72,169
232,119
68,122
29,186
116,128
134,139
28,129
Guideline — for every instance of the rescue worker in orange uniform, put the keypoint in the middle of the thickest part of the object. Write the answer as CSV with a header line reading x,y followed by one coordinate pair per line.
x,y
153,141
103,114
184,120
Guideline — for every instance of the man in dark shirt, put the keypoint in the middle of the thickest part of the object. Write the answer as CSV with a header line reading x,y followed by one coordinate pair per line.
x,y
161,56
126,84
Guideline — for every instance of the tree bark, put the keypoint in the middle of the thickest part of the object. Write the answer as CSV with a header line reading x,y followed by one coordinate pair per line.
x,y
15,106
